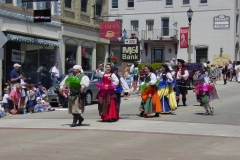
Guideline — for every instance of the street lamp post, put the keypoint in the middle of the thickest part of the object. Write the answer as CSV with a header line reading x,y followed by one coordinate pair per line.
x,y
189,14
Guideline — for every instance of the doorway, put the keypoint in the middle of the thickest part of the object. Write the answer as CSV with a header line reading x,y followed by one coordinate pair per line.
x,y
201,54
157,55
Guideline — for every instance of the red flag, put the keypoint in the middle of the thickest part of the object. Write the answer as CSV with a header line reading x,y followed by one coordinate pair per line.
x,y
184,37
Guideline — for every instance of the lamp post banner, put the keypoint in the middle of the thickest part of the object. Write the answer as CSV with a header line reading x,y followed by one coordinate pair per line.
x,y
184,31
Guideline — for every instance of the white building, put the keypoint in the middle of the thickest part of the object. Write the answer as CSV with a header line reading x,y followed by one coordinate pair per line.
x,y
157,25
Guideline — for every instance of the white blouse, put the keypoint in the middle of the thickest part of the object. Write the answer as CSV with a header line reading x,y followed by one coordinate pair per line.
x,y
115,80
168,75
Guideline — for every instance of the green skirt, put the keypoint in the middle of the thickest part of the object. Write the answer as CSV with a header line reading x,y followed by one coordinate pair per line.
x,y
147,107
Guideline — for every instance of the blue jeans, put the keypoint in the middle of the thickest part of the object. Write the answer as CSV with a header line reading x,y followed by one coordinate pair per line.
x,y
54,80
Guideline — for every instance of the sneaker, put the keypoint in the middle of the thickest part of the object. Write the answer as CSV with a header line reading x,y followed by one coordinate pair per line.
x,y
207,113
211,110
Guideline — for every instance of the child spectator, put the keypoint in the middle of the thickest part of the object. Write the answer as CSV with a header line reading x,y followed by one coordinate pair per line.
x,y
45,105
5,100
31,98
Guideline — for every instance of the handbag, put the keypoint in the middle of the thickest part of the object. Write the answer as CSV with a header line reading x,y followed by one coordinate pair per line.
x,y
205,99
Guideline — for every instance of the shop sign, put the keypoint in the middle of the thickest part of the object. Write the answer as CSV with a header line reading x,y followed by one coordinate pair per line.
x,y
130,41
184,37
34,41
130,53
110,30
42,15
221,22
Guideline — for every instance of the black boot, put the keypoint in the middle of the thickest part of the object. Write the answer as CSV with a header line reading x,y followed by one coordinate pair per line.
x,y
184,101
225,81
75,119
177,101
156,115
141,114
80,120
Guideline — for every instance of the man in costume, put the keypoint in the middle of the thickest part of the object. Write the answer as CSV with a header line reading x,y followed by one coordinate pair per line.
x,y
181,75
77,97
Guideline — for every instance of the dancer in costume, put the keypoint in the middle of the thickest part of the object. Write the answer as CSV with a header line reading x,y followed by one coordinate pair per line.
x,y
206,93
150,99
181,75
237,69
201,77
76,100
107,99
166,93
122,87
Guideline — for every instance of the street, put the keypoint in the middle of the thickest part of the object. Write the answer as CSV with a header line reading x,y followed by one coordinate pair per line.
x,y
184,135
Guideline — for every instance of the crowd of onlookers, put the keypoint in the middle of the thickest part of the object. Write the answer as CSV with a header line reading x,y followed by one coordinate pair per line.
x,y
21,97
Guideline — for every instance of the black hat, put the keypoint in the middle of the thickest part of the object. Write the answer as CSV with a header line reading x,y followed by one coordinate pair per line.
x,y
181,61
114,69
238,63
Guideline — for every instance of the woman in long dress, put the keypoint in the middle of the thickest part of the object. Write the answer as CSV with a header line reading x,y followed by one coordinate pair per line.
x,y
107,104
166,93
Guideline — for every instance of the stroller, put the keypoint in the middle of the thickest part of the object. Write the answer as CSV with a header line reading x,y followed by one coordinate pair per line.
x,y
63,102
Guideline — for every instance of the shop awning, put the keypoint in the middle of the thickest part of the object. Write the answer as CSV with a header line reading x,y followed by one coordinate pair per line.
x,y
33,41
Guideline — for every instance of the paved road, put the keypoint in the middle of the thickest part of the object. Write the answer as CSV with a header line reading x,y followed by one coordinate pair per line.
x,y
186,134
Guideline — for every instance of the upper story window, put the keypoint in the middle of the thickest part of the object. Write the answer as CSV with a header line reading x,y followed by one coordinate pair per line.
x,y
169,2
186,2
130,3
236,3
98,7
134,25
165,26
84,5
114,3
150,24
48,5
68,3
203,1
9,1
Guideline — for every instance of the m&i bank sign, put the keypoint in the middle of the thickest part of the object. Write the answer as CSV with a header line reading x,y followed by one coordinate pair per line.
x,y
130,53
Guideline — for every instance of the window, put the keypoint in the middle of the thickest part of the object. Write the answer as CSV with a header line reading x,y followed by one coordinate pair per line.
x,y
114,3
203,1
150,25
48,5
29,5
117,52
236,3
8,1
134,25
98,7
168,2
84,5
201,54
237,17
68,4
130,3
165,26
186,2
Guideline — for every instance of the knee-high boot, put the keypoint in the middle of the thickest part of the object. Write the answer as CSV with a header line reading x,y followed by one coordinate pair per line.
x,y
75,119
80,120
184,101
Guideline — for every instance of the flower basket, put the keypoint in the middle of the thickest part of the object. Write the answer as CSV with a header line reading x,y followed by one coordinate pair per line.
x,y
114,59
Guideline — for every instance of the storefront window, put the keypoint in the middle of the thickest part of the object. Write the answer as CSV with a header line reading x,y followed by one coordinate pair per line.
x,y
70,57
117,52
30,57
86,58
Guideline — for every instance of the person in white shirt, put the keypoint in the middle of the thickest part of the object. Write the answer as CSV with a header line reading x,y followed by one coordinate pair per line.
x,y
5,99
150,99
237,69
181,75
76,100
173,62
55,73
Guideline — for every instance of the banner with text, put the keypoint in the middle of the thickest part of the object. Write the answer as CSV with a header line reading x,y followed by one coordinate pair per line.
x,y
110,30
130,53
42,15
184,37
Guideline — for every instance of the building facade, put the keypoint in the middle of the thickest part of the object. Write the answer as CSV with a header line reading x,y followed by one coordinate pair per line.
x,y
80,26
72,36
157,24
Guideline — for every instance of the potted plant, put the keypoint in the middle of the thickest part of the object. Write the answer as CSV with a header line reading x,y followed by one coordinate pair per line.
x,y
114,59
149,38
161,37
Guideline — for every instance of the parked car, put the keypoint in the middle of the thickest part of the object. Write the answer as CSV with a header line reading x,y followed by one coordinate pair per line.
x,y
192,68
91,91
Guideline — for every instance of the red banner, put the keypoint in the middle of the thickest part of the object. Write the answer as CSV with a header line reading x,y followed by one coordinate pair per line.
x,y
110,30
184,37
